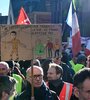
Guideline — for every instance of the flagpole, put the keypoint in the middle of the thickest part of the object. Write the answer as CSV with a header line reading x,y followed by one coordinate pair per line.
x,y
23,19
32,85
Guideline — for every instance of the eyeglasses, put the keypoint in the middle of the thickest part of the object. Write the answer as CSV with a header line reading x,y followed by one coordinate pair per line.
x,y
37,76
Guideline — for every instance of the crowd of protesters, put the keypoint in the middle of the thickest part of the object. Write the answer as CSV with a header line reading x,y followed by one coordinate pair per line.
x,y
59,78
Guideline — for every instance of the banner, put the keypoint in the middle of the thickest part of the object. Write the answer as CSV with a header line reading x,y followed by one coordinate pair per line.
x,y
27,42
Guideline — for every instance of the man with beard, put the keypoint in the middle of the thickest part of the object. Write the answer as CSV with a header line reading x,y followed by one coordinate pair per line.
x,y
55,82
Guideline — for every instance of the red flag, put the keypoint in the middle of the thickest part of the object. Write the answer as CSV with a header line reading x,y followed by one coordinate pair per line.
x,y
23,18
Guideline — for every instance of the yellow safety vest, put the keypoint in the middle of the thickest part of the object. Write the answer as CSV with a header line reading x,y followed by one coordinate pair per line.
x,y
19,83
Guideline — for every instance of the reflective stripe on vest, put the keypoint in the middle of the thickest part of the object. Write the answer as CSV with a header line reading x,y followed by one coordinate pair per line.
x,y
66,91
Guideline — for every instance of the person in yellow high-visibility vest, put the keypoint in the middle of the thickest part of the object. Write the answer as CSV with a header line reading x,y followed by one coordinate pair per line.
x,y
81,63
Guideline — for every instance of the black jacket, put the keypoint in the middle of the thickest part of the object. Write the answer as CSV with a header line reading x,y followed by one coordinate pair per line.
x,y
56,85
42,93
67,75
